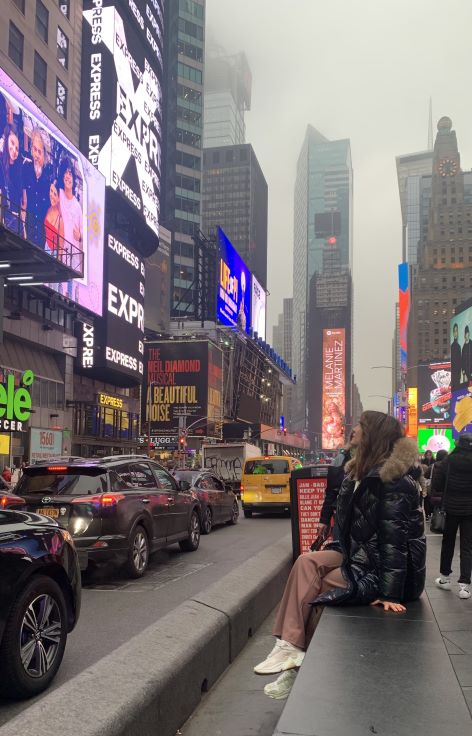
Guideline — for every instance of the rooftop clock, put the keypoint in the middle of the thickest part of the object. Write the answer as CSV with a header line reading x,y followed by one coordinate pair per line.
x,y
447,167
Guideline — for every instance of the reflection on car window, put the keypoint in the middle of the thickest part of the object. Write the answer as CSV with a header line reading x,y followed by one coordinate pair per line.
x,y
124,477
142,475
72,483
266,467
164,479
218,484
205,483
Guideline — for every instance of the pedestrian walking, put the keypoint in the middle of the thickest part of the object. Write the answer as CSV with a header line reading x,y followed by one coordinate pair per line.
x,y
452,483
381,553
431,501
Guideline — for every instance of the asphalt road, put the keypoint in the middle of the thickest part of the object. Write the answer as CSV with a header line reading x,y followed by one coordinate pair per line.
x,y
114,608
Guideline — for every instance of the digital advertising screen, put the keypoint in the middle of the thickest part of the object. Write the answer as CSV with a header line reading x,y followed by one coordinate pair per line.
x,y
434,439
434,394
333,389
122,98
404,307
258,308
233,303
461,347
412,422
61,195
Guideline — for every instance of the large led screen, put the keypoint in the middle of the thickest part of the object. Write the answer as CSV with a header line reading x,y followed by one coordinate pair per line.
x,y
58,194
434,394
258,308
333,389
461,370
122,99
233,303
404,308
430,438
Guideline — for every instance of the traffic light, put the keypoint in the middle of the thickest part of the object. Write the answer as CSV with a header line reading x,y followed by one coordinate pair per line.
x,y
182,442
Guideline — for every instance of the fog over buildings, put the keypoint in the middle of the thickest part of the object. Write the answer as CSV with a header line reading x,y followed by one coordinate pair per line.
x,y
363,71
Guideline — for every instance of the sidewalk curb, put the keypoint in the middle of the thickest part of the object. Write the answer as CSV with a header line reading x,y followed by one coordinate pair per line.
x,y
150,685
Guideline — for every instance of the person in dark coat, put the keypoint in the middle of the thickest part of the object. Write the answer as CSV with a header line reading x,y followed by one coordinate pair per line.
x,y
380,558
452,483
433,499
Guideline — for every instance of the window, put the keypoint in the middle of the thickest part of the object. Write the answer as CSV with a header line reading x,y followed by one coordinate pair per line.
x,y
42,20
188,72
164,479
20,4
62,48
142,476
64,7
61,98
40,73
74,482
15,46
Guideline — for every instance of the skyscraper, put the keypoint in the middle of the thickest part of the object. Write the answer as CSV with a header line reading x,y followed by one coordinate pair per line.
x,y
227,97
322,208
411,168
183,141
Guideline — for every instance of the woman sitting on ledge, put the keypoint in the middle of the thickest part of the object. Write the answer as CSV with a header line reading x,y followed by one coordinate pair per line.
x,y
381,553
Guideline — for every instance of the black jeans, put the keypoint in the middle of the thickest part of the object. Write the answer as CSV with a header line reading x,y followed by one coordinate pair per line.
x,y
453,523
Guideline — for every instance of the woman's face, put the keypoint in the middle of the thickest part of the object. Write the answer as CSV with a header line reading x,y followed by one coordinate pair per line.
x,y
356,436
68,180
53,195
13,147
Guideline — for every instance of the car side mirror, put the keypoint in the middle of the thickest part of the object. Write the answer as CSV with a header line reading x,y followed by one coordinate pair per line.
x,y
184,485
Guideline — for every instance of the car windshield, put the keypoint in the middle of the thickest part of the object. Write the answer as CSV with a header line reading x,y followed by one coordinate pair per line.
x,y
266,467
72,482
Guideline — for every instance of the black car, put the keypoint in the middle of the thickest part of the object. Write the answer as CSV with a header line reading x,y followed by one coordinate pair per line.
x,y
117,509
39,600
219,504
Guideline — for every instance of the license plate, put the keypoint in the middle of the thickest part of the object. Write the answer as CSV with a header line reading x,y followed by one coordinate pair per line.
x,y
279,489
48,511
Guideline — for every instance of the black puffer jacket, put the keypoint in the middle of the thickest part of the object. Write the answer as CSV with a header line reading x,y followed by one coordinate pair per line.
x,y
454,476
382,533
335,478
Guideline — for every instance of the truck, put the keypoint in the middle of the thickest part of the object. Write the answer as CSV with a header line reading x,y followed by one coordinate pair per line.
x,y
227,459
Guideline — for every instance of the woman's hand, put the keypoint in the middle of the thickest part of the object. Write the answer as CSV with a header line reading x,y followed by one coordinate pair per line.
x,y
389,606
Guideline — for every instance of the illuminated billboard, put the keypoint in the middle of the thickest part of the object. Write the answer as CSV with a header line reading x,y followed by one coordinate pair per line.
x,y
404,306
430,438
334,389
461,369
258,308
434,394
233,303
412,422
61,195
122,99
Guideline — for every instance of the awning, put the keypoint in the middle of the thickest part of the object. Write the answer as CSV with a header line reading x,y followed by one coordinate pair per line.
x,y
19,356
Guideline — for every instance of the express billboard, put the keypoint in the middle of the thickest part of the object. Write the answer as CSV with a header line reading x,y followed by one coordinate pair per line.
x,y
434,394
333,389
233,303
258,308
57,194
183,387
122,98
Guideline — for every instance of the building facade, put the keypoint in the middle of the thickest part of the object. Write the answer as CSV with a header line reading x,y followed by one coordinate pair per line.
x,y
322,209
184,51
227,97
235,198
411,168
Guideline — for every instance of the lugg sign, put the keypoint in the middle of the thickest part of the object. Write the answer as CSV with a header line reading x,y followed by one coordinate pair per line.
x,y
15,404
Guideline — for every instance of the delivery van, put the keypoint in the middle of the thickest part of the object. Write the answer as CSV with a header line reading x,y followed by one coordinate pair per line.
x,y
265,484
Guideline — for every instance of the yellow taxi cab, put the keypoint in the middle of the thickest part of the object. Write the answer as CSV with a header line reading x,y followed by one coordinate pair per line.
x,y
265,483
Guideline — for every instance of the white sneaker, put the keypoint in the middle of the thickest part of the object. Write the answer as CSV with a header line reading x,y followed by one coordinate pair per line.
x,y
284,656
280,688
464,591
443,583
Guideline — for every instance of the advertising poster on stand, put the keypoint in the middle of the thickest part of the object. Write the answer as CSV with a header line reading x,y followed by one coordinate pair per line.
x,y
233,303
45,444
310,497
333,389
258,308
434,394
56,198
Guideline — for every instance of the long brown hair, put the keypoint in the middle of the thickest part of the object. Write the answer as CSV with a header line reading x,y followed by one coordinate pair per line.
x,y
379,433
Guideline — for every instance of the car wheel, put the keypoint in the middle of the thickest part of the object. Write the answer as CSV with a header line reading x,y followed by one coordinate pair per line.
x,y
207,521
138,553
34,639
234,514
247,513
193,540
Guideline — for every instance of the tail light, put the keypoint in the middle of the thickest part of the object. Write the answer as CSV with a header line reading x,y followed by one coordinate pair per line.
x,y
241,490
110,499
10,500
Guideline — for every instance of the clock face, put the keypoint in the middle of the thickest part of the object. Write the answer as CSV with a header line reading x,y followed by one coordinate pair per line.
x,y
447,167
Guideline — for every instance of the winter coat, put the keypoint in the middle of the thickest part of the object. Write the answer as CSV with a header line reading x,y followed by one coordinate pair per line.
x,y
382,533
454,475
335,478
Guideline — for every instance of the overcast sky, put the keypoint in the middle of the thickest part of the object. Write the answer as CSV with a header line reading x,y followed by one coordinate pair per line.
x,y
358,69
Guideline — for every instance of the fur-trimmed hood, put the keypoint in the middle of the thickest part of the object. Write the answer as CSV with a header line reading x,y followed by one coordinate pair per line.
x,y
404,456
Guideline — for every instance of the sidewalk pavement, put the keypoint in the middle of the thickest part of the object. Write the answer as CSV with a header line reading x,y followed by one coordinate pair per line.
x,y
453,616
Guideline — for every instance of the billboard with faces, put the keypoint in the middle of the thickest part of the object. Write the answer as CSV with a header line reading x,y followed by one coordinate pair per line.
x,y
51,194
233,303
122,99
461,369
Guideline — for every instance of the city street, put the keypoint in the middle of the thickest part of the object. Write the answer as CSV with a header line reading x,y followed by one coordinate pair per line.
x,y
114,609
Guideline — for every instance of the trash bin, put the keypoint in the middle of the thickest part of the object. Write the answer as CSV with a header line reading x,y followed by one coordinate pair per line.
x,y
307,492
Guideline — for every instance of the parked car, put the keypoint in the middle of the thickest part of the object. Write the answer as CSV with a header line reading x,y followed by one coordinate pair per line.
x,y
265,484
118,509
218,502
39,599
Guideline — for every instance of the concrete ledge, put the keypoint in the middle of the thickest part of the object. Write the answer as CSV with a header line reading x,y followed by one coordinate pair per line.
x,y
151,684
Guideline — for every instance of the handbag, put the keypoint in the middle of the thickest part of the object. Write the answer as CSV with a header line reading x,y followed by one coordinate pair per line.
x,y
438,517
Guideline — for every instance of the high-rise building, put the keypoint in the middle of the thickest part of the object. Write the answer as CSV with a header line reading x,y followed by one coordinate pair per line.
x,y
234,197
443,278
411,168
227,97
184,50
322,209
